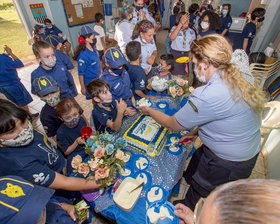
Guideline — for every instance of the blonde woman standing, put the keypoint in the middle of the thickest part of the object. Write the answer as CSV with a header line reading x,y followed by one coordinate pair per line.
x,y
227,112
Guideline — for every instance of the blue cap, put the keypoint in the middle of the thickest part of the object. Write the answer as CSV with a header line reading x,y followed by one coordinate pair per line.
x,y
114,57
54,40
44,85
87,30
21,201
37,27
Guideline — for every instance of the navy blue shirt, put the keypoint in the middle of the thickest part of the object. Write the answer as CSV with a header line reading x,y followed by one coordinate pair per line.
x,y
8,72
49,120
249,32
172,21
137,77
36,162
100,117
202,34
67,136
89,66
120,86
62,58
61,75
192,18
226,23
53,31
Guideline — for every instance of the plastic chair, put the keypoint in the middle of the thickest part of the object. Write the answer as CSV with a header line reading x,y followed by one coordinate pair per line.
x,y
270,122
261,72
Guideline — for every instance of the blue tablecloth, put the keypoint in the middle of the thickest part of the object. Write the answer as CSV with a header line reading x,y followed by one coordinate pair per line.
x,y
165,169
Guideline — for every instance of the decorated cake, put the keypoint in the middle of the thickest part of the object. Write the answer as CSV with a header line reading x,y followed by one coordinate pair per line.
x,y
143,102
145,131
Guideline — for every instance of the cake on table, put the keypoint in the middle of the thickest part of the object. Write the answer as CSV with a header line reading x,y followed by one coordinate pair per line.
x,y
145,131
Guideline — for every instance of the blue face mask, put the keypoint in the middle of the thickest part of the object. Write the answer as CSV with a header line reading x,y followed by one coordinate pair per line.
x,y
138,8
117,71
224,12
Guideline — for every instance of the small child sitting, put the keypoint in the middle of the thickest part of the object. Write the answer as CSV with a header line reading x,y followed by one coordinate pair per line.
x,y
69,132
136,73
118,79
47,89
49,66
163,70
107,114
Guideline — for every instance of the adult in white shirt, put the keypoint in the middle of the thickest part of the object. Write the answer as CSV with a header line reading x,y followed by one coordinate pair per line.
x,y
100,39
124,27
144,34
140,13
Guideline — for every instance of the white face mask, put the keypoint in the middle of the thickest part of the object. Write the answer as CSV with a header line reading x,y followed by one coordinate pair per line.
x,y
24,138
204,25
143,40
50,62
200,78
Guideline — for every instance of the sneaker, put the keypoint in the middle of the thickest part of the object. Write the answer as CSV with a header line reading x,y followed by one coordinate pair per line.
x,y
35,116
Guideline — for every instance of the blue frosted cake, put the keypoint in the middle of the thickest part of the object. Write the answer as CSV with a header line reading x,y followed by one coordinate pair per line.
x,y
144,131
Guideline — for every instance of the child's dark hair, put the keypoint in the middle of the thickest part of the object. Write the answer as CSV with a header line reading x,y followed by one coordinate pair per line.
x,y
215,21
38,45
133,50
98,16
202,8
8,112
141,27
229,8
65,106
153,9
169,59
95,87
47,21
176,9
257,57
193,8
257,12
80,47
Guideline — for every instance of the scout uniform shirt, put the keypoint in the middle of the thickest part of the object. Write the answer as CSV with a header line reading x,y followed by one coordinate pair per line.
x,y
249,32
229,128
36,162
183,40
226,23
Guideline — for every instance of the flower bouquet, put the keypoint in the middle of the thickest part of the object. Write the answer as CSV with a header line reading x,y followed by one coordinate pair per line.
x,y
106,159
178,87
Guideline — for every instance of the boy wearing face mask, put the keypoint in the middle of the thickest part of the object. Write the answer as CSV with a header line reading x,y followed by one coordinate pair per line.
x,y
49,66
107,114
249,31
47,89
118,79
69,132
86,55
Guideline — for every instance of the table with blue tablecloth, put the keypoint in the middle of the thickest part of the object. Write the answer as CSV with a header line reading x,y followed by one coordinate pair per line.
x,y
164,170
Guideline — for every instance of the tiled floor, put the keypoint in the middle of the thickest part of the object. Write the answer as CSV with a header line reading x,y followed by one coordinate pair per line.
x,y
37,104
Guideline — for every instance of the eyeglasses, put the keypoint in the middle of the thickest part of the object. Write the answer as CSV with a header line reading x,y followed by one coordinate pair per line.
x,y
71,117
197,210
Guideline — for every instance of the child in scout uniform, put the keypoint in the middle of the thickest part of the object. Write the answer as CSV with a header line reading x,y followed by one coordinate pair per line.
x,y
69,132
10,84
49,66
118,79
107,113
47,89
86,55
136,73
181,37
144,34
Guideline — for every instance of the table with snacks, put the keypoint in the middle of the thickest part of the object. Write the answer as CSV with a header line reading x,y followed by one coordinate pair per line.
x,y
159,173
